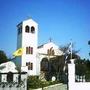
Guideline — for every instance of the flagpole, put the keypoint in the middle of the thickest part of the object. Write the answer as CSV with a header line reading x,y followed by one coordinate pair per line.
x,y
71,48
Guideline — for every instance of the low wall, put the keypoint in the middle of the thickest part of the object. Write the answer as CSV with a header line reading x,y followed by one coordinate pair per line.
x,y
54,87
80,86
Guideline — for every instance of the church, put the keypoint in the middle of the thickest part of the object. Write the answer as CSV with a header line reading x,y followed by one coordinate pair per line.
x,y
31,60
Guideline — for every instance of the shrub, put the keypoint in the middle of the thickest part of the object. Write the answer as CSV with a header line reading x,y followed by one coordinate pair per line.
x,y
34,82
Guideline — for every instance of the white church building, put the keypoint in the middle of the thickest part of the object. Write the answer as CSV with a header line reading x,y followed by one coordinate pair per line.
x,y
27,38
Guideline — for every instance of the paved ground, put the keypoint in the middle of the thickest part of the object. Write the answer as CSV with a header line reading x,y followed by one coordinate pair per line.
x,y
54,87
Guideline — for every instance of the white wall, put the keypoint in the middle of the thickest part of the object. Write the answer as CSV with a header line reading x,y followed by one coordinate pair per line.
x,y
75,85
30,39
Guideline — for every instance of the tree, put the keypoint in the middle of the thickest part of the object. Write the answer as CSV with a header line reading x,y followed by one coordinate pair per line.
x,y
88,70
80,67
67,52
89,45
89,42
3,57
56,65
67,56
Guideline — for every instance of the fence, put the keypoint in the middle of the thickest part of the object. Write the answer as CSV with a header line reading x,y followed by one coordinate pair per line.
x,y
15,81
12,86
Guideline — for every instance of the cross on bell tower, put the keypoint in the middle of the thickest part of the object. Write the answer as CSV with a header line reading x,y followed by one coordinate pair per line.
x,y
50,39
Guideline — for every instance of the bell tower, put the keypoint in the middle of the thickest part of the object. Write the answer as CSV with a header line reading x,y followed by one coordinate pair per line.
x,y
27,39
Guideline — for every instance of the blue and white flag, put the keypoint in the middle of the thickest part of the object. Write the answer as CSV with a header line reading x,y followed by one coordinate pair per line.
x,y
69,51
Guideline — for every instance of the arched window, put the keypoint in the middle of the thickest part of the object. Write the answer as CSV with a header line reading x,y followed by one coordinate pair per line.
x,y
32,29
27,29
50,51
53,53
29,50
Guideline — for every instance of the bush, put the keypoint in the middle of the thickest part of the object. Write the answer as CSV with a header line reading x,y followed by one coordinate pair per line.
x,y
87,77
34,82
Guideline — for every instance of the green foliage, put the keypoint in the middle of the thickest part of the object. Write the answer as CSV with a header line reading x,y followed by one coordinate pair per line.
x,y
3,57
57,63
83,68
89,45
88,64
80,67
34,82
65,50
89,42
87,76
88,70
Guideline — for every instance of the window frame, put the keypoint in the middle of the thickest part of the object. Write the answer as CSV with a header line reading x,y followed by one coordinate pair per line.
x,y
32,29
27,29
29,65
29,50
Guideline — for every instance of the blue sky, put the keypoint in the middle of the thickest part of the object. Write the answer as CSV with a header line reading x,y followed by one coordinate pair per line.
x,y
61,20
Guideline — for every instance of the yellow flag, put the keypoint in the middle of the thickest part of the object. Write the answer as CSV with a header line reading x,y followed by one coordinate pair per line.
x,y
18,52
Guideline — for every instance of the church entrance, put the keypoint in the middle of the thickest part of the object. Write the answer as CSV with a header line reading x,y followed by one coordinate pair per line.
x,y
44,65
54,67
